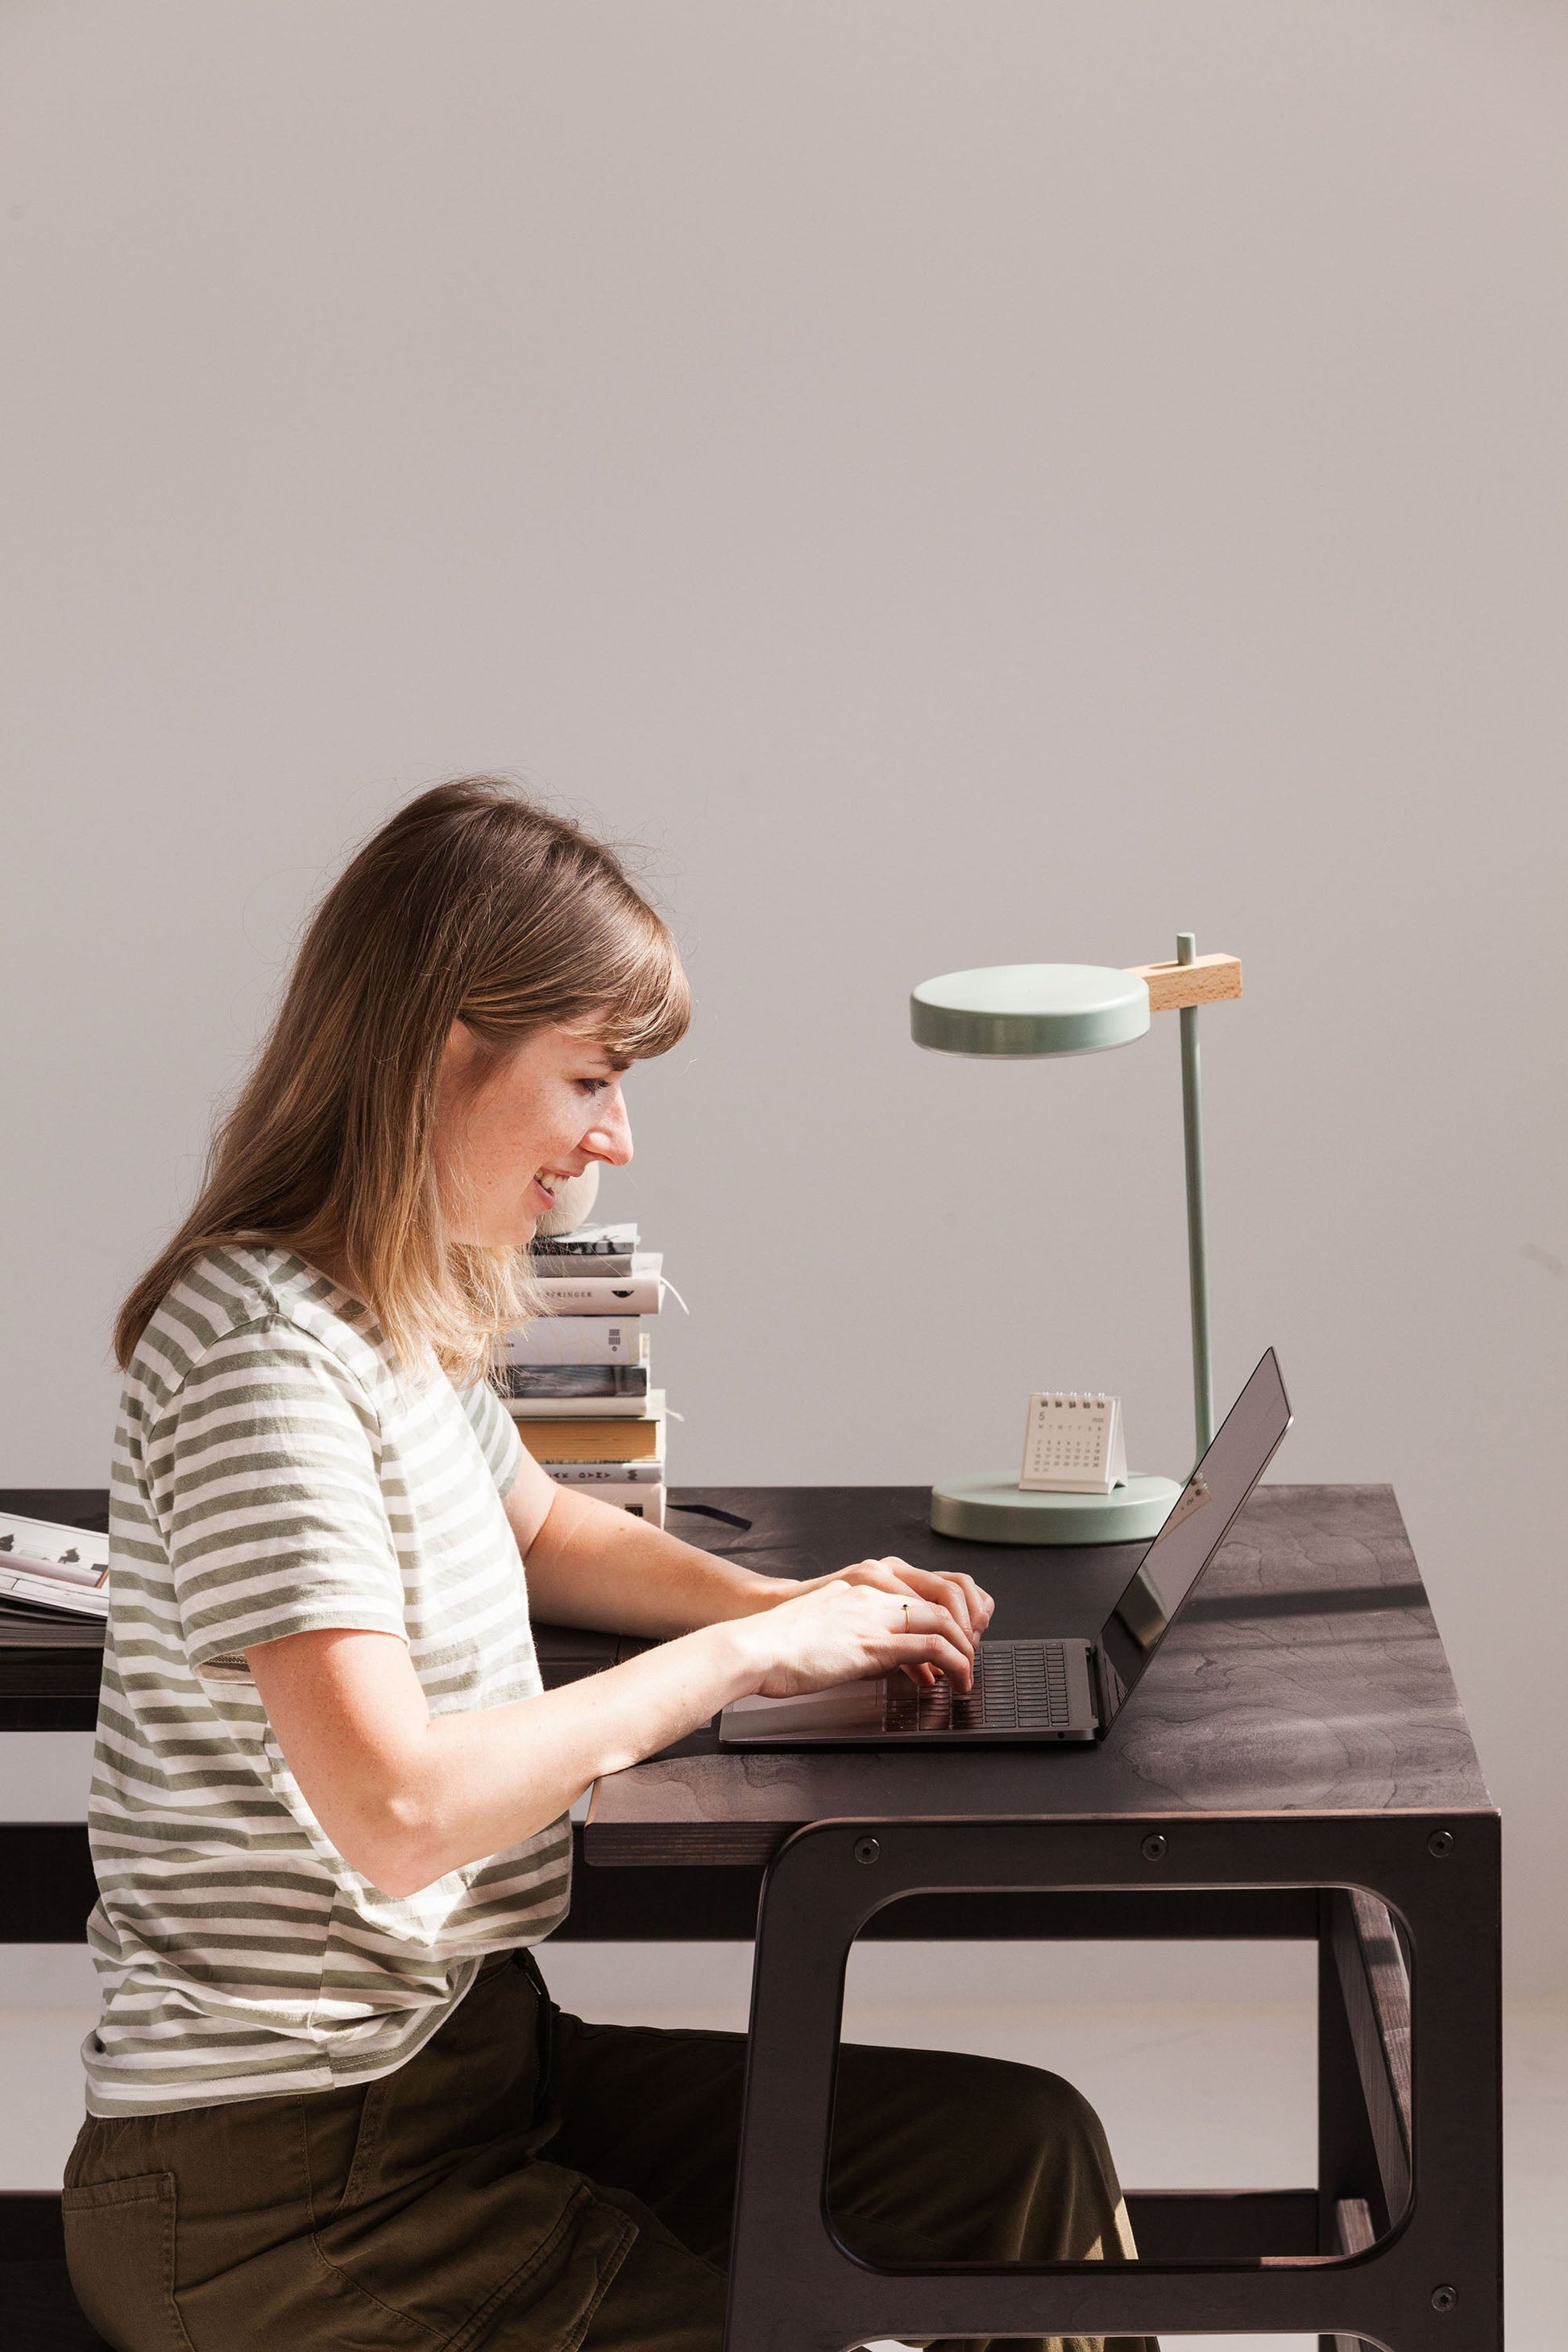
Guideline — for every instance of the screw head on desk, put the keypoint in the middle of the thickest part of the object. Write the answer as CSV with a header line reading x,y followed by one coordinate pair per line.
x,y
867,1850
1444,2298
1440,1842
1153,1847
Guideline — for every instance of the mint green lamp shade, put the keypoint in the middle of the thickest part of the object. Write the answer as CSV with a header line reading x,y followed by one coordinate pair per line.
x,y
1017,1009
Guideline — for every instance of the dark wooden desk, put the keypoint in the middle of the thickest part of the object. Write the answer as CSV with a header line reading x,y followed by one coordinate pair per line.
x,y
1295,1763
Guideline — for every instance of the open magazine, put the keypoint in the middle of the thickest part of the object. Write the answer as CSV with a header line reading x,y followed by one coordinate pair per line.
x,y
48,1572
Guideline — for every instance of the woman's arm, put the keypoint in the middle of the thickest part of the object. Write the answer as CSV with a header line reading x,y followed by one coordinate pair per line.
x,y
405,1796
592,1564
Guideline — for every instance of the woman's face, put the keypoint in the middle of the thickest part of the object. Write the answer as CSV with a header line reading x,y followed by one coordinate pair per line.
x,y
513,1126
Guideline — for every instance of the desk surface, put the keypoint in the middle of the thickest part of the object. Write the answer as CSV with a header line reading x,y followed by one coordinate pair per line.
x,y
1306,1674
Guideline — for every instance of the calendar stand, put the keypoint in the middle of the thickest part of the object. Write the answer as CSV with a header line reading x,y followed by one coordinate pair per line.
x,y
993,1508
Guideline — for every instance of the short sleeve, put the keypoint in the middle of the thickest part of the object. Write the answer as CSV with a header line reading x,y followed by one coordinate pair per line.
x,y
497,1433
264,1477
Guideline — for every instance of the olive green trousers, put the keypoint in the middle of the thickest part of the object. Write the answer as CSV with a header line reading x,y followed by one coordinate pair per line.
x,y
530,2183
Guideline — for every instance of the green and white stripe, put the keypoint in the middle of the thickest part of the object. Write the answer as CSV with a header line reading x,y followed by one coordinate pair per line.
x,y
274,1473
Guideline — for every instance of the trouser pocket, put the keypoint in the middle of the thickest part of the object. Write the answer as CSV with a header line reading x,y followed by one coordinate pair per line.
x,y
119,2250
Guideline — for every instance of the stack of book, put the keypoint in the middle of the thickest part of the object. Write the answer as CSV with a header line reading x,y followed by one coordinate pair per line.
x,y
577,1379
48,1572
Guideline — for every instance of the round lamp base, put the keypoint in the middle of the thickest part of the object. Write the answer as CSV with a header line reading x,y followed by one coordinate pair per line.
x,y
995,1509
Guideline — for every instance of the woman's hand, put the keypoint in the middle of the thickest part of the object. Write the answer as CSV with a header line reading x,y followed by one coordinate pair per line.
x,y
839,1629
959,1594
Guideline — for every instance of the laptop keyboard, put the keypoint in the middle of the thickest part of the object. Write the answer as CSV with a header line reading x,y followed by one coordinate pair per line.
x,y
1018,1686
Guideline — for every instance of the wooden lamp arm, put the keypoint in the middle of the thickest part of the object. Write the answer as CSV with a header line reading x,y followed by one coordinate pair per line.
x,y
1180,987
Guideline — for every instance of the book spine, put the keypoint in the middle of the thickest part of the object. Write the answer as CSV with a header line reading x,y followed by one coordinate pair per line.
x,y
638,1294
588,1241
593,1441
602,1474
528,1410
617,1262
579,1340
551,1264
527,1382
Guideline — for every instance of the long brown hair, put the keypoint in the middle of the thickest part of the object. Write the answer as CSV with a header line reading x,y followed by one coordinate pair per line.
x,y
471,904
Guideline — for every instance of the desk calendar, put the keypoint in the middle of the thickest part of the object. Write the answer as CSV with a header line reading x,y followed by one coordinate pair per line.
x,y
1073,1443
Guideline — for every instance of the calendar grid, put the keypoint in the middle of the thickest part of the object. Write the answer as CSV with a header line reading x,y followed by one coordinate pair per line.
x,y
1073,1443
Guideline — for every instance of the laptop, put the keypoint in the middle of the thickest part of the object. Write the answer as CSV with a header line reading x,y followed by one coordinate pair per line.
x,y
1039,1691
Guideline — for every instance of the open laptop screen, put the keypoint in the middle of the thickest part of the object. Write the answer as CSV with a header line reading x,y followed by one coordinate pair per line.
x,y
1199,1522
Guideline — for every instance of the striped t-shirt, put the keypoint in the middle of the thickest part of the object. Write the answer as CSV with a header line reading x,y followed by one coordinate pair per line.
x,y
275,1472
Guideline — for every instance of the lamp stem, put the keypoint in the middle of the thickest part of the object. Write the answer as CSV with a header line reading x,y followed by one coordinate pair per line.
x,y
1197,1225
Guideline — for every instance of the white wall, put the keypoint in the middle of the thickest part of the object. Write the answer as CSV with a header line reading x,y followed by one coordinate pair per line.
x,y
958,484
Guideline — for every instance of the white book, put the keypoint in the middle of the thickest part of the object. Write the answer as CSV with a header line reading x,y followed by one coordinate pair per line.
x,y
643,1408
21,1589
578,1339
606,1474
584,1241
643,1502
1073,1443
638,1293
43,1548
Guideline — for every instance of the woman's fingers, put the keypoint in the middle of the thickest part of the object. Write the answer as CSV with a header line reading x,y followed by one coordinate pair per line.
x,y
947,1657
931,1635
960,1595
902,1617
951,1590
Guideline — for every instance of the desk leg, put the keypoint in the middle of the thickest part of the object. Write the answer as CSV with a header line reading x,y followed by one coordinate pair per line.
x,y
1347,2158
1430,2074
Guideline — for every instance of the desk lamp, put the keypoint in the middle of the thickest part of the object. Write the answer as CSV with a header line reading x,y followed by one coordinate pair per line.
x,y
1017,1011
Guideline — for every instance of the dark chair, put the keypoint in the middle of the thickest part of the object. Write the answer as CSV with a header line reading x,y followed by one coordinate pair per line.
x,y
38,2312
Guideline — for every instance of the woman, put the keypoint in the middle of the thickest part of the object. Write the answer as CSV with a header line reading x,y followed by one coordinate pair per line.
x,y
329,2102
